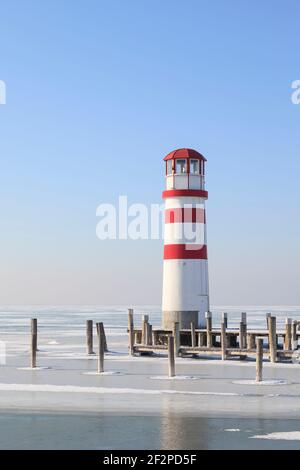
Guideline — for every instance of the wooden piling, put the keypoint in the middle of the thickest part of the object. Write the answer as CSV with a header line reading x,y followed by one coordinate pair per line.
x,y
176,334
294,335
243,331
201,339
288,334
131,331
223,340
259,359
137,337
154,337
34,329
272,339
268,316
102,332
250,341
89,337
243,335
208,317
149,335
33,346
225,319
104,337
193,335
100,364
171,355
145,321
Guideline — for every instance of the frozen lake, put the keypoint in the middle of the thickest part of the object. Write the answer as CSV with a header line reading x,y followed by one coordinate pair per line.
x,y
66,405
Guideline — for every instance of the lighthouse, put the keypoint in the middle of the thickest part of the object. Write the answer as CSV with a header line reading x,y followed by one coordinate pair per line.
x,y
185,272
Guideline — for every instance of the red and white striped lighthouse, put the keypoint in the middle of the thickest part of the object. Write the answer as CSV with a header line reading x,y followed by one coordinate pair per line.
x,y
185,276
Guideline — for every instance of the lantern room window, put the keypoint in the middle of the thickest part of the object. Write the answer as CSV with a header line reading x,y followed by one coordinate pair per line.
x,y
194,167
169,167
181,166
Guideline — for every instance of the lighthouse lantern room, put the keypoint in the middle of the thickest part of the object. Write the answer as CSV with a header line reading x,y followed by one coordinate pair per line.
x,y
185,272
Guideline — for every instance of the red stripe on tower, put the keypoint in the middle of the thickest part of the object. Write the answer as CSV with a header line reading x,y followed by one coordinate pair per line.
x,y
185,193
185,214
185,251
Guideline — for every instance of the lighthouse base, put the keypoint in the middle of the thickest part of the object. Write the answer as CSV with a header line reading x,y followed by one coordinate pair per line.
x,y
184,318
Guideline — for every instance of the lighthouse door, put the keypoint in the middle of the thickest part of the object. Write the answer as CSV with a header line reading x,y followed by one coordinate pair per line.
x,y
204,307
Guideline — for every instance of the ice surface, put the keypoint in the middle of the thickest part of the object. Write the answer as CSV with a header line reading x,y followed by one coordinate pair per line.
x,y
176,377
66,378
263,382
286,436
100,390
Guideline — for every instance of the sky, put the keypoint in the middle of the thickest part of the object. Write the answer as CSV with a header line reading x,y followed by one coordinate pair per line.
x,y
98,92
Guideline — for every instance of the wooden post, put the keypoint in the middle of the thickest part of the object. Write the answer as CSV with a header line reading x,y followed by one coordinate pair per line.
x,y
243,331
201,340
102,332
145,321
100,365
149,335
136,337
272,338
250,341
242,335
288,334
171,355
33,342
34,329
294,335
259,359
268,316
193,335
89,336
176,334
208,317
225,319
131,331
223,340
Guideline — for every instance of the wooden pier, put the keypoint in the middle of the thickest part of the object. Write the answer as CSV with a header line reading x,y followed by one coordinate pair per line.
x,y
223,342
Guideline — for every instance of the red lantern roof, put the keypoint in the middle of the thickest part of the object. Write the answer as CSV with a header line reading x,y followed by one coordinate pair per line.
x,y
184,153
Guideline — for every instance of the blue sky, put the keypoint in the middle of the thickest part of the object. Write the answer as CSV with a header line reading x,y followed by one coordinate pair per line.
x,y
97,93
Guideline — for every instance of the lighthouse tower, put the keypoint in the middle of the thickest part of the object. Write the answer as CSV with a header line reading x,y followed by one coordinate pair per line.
x,y
185,276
